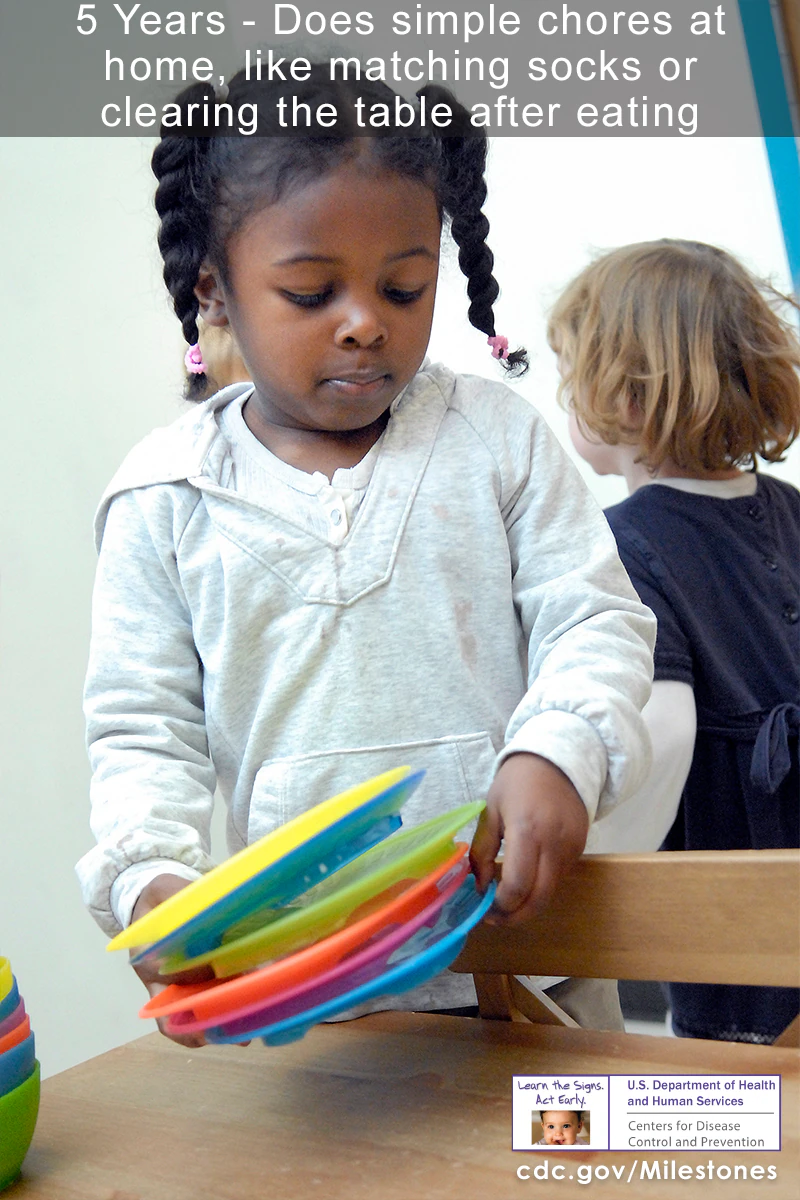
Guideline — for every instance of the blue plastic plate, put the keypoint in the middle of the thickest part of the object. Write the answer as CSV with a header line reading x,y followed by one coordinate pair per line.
x,y
428,952
286,879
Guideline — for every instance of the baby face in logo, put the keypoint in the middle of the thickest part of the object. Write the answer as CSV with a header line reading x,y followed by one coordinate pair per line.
x,y
561,1128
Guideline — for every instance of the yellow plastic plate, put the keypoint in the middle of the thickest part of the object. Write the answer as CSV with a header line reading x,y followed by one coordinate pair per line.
x,y
190,901
6,978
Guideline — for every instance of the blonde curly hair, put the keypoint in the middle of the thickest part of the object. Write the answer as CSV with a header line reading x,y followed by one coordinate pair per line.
x,y
675,347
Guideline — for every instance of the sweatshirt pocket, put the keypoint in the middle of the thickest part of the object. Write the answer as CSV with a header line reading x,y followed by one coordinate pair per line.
x,y
457,771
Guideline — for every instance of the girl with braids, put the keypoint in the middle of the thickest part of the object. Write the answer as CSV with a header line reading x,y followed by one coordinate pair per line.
x,y
358,560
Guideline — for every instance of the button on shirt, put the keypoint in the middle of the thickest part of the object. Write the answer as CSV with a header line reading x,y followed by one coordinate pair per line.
x,y
324,506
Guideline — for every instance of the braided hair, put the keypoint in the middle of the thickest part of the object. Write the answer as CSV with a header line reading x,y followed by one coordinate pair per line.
x,y
210,182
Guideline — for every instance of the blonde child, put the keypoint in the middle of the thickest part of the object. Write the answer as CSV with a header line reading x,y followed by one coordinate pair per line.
x,y
678,374
360,559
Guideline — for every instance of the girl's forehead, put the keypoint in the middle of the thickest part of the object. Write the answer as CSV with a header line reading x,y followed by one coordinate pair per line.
x,y
351,202
364,181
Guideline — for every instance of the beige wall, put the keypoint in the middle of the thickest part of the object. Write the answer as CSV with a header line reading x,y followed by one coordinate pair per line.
x,y
92,361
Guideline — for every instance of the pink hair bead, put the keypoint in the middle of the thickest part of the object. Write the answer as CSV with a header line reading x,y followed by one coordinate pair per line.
x,y
193,358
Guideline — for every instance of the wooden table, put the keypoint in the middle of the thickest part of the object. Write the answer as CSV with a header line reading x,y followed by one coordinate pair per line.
x,y
391,1107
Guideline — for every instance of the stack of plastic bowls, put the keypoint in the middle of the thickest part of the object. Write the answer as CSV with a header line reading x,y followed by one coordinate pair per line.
x,y
19,1078
334,909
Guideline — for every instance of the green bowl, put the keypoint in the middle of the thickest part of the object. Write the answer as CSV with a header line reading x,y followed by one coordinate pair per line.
x,y
18,1112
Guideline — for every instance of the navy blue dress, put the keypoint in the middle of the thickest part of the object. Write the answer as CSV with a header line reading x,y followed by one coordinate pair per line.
x,y
723,578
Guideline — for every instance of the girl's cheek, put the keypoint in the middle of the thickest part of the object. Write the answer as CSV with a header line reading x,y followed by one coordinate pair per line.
x,y
598,455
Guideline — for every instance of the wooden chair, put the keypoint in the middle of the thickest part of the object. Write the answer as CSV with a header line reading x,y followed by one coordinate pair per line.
x,y
696,916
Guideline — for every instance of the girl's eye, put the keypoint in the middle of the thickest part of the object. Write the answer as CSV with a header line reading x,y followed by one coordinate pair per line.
x,y
308,300
401,296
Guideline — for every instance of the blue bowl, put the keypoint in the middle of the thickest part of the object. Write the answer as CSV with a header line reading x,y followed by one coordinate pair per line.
x,y
17,1064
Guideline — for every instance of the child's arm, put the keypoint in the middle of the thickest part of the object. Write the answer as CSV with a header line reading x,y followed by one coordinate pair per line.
x,y
589,648
671,714
641,823
153,781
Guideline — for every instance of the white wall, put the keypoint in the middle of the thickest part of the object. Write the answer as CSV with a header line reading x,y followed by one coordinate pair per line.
x,y
93,361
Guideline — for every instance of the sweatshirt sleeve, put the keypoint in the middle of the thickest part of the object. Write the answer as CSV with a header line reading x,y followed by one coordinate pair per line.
x,y
152,778
589,637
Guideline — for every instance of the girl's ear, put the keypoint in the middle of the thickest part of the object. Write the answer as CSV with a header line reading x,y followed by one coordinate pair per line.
x,y
211,297
631,407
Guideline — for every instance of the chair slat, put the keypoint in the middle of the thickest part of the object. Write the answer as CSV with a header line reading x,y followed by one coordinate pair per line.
x,y
694,916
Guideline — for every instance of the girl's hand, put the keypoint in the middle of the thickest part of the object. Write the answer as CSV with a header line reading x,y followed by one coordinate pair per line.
x,y
534,808
158,890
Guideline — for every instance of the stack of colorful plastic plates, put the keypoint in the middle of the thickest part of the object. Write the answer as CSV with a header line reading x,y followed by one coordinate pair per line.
x,y
205,1004
329,911
367,882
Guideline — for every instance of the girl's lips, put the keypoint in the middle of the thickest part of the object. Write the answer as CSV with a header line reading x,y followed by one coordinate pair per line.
x,y
358,386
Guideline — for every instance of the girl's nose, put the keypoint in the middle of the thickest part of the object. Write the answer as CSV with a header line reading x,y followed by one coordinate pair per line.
x,y
361,327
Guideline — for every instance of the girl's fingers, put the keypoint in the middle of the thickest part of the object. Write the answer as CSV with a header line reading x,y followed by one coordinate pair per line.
x,y
485,847
519,878
550,870
193,1041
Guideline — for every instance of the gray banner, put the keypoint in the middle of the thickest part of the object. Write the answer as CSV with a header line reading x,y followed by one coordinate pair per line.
x,y
523,68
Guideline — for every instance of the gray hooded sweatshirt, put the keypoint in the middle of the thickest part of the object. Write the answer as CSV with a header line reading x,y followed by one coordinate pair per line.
x,y
477,607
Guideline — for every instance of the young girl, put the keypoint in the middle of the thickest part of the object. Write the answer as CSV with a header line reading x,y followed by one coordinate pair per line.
x,y
358,560
678,374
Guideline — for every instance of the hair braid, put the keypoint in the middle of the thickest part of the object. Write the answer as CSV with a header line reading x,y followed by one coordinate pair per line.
x,y
470,228
464,195
183,234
